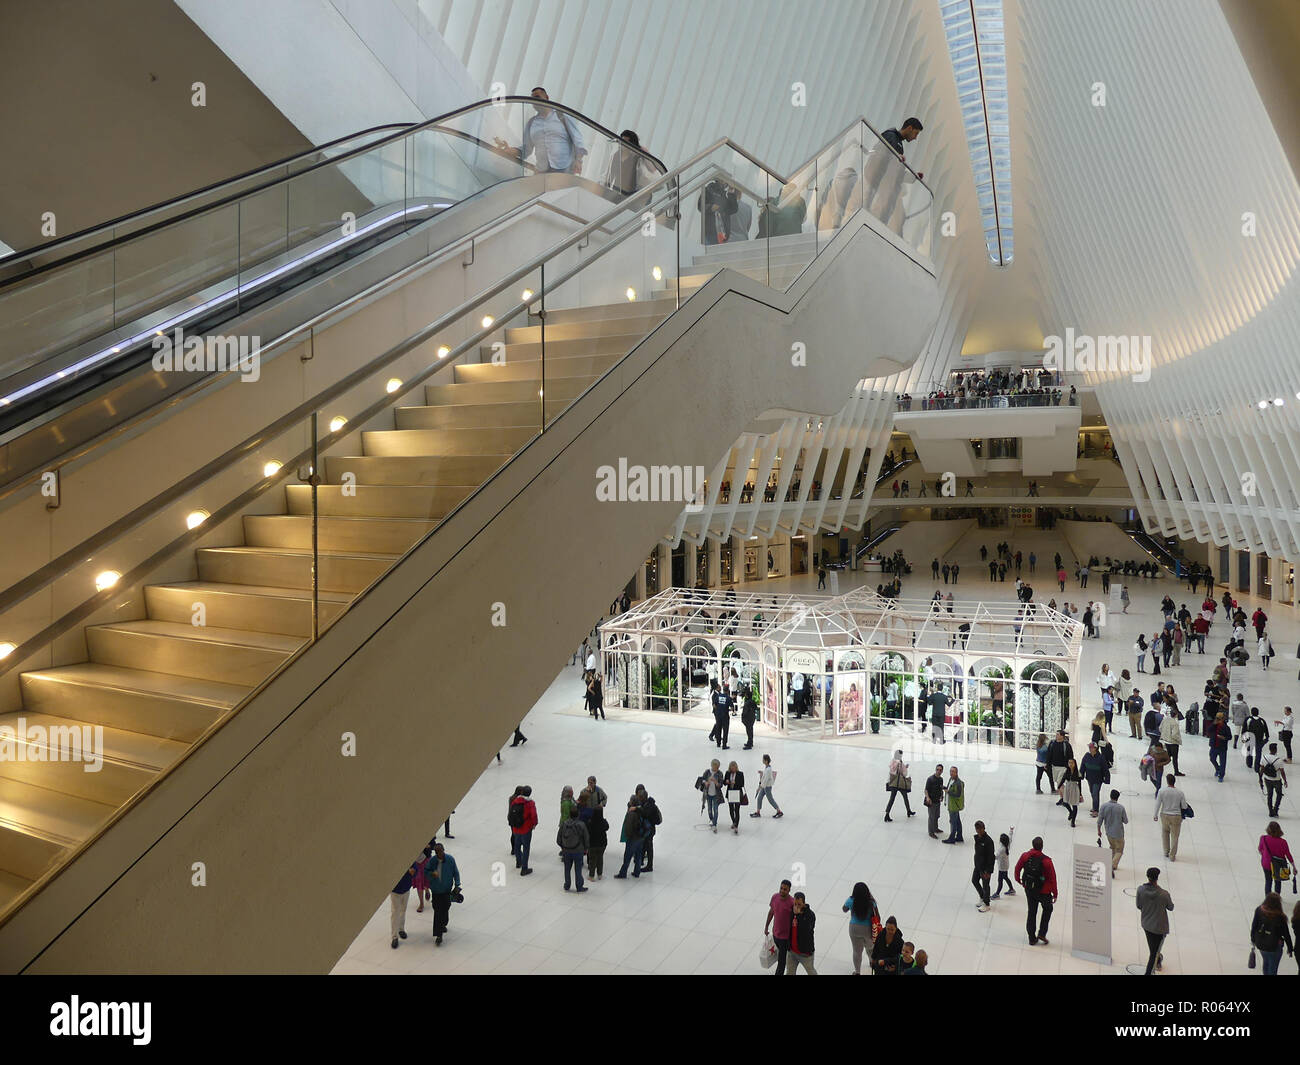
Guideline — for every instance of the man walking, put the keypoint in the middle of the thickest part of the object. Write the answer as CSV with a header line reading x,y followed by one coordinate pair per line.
x,y
522,819
1036,874
573,840
1096,771
1059,753
1111,819
443,878
984,865
802,920
956,803
397,900
1154,902
934,799
939,701
721,715
1170,801
780,911
1273,777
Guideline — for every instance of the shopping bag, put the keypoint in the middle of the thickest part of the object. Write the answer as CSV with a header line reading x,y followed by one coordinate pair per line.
x,y
767,953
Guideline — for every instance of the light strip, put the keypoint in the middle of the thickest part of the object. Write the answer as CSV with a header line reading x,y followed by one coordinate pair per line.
x,y
977,46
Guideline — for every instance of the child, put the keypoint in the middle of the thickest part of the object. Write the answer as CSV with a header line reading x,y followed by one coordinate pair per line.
x,y
1004,856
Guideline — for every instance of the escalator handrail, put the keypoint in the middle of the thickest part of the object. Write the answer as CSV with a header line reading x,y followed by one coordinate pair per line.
x,y
234,197
92,545
161,205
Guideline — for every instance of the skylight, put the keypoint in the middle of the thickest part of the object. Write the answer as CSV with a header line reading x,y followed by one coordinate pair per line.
x,y
977,45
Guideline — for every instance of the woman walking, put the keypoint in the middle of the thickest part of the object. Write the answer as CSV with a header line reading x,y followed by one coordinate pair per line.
x,y
1264,649
766,778
1140,649
899,783
864,923
734,785
1071,790
710,787
1275,856
595,697
1268,931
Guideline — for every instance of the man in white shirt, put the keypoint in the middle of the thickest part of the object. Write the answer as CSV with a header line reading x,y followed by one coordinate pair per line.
x,y
1169,812
1272,777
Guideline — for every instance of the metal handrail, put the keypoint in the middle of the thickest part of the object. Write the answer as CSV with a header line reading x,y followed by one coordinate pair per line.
x,y
81,234
667,183
344,157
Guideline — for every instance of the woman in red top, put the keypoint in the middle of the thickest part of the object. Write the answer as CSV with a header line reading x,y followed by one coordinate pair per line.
x,y
1274,856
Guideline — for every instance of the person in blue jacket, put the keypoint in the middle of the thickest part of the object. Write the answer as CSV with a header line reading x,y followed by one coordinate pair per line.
x,y
443,878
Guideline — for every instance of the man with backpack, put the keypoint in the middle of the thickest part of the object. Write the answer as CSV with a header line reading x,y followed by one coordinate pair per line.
x,y
1257,728
1273,777
522,819
1036,874
651,818
573,840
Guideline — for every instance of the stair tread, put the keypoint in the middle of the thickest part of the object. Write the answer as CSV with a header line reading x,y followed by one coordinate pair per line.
x,y
220,588
53,815
299,552
170,685
207,634
340,518
11,886
134,748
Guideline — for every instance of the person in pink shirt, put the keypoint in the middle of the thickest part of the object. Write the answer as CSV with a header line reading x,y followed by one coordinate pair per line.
x,y
1274,856
779,912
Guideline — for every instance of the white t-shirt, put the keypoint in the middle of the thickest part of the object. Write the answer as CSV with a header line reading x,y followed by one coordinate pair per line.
x,y
1287,724
1271,759
591,660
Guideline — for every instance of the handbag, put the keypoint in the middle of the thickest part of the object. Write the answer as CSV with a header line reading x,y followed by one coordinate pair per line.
x,y
1188,813
1250,962
1281,869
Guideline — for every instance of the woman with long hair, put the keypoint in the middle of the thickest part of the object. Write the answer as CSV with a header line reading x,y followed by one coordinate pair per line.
x,y
1071,790
898,783
1269,931
864,922
1040,749
1274,856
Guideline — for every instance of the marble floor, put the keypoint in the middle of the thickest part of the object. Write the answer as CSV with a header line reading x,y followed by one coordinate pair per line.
x,y
702,909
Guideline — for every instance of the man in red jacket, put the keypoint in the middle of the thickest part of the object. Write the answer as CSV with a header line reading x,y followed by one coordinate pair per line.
x,y
522,819
1037,875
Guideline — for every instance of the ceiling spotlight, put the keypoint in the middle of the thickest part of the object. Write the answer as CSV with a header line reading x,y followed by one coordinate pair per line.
x,y
1277,402
1262,404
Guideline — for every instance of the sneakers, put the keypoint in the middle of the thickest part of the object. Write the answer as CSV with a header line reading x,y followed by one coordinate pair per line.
x,y
394,943
756,814
402,934
779,813
982,908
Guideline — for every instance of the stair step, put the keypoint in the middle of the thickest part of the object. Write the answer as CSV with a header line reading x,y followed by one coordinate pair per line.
x,y
282,567
50,815
127,761
609,312
378,536
523,391
26,857
157,704
11,885
381,501
479,415
383,443
525,369
235,656
604,342
242,606
639,325
424,471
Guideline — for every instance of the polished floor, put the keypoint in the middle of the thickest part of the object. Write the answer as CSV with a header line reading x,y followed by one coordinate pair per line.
x,y
702,909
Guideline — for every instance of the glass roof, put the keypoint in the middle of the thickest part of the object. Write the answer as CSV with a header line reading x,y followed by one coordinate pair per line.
x,y
977,46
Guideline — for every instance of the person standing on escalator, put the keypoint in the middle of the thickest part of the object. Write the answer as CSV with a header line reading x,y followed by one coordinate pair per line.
x,y
551,137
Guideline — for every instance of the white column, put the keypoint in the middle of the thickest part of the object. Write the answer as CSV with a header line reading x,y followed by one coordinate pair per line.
x,y
714,548
665,565
692,553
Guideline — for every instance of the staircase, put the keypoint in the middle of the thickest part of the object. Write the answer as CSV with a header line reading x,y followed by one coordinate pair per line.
x,y
157,684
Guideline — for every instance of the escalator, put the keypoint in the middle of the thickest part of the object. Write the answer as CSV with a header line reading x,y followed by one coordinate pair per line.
x,y
355,603
84,314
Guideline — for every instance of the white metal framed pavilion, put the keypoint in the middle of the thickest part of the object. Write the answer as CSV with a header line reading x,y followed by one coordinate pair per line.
x,y
845,665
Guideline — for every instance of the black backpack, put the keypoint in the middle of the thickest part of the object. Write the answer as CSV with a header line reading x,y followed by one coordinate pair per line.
x,y
1032,875
570,835
515,818
1268,769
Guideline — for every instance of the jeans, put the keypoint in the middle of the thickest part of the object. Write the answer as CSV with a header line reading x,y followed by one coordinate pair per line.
x,y
782,951
894,793
794,960
1035,901
441,901
1154,941
770,798
1095,788
1219,760
632,856
1274,796
933,814
572,864
1272,958
981,883
1038,777
1271,883
1141,658
1200,642
1285,737
713,801
954,825
520,846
